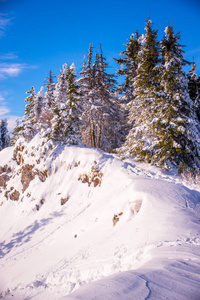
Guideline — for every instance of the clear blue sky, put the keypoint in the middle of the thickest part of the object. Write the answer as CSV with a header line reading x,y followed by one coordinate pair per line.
x,y
39,35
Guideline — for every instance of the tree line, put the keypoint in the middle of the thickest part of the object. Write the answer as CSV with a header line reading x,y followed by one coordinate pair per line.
x,y
153,115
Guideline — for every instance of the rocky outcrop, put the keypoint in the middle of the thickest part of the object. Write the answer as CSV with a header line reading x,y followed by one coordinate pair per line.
x,y
3,179
42,175
15,195
5,169
17,154
95,176
27,176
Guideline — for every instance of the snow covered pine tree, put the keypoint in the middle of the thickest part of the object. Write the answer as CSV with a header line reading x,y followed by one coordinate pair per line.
x,y
100,109
177,129
141,138
66,122
4,136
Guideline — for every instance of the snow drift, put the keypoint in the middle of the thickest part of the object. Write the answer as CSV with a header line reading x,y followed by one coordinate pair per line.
x,y
87,225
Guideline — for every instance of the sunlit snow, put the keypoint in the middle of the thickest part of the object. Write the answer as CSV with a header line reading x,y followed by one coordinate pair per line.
x,y
133,235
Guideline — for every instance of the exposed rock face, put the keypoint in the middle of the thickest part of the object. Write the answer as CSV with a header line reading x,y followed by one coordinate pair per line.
x,y
15,195
95,177
3,179
27,176
42,175
5,169
17,154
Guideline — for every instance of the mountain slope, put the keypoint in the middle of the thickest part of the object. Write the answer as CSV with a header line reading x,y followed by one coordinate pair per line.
x,y
83,215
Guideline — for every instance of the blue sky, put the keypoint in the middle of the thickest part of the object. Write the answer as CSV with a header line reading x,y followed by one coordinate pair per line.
x,y
41,35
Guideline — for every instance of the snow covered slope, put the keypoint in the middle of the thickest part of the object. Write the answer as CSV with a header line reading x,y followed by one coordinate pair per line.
x,y
87,225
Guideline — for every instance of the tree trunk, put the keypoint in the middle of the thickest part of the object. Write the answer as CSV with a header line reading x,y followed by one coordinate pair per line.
x,y
92,133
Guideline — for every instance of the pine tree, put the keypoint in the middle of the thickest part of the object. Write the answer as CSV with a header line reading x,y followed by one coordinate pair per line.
x,y
129,65
176,128
16,132
141,137
73,108
66,121
4,136
108,127
194,89
29,120
49,94
48,104
87,83
58,123
39,108
100,111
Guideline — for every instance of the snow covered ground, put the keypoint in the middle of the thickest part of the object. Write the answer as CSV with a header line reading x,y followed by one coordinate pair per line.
x,y
125,230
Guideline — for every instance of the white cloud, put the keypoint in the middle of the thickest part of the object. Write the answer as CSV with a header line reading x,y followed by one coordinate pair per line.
x,y
4,21
3,111
8,56
12,69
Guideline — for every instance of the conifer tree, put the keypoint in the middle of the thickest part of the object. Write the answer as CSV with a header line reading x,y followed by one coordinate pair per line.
x,y
129,65
29,120
66,122
86,83
176,128
141,137
58,123
49,94
73,108
108,127
48,104
194,89
4,136
39,107
16,132
100,123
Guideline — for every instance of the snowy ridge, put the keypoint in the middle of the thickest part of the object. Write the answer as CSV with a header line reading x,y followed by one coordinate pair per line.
x,y
105,228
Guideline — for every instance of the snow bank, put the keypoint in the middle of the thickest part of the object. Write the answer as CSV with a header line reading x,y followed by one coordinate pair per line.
x,y
92,217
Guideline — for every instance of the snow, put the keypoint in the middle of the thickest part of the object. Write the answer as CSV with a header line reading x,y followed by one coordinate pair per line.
x,y
74,251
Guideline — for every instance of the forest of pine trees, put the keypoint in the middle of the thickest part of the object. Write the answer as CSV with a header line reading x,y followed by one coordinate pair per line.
x,y
154,115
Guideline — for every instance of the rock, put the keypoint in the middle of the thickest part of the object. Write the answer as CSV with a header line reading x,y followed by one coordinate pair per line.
x,y
83,178
17,155
42,175
27,176
3,179
15,195
116,218
64,200
6,194
97,181
4,169
93,176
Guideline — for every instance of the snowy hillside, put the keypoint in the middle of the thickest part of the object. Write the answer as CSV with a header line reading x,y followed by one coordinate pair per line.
x,y
79,223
